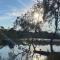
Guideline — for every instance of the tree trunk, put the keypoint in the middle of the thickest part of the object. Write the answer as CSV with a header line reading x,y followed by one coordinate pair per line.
x,y
51,45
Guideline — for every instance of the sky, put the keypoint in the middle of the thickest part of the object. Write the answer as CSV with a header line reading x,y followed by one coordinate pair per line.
x,y
10,9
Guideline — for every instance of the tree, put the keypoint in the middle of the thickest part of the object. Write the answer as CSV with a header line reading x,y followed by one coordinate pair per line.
x,y
51,13
31,20
1,27
51,8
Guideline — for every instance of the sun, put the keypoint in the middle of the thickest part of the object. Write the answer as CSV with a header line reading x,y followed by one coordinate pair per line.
x,y
37,17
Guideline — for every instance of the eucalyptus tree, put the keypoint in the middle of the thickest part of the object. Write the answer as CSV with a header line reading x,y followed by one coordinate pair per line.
x,y
51,12
32,19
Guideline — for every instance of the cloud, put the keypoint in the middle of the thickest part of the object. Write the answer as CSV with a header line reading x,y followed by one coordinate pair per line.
x,y
7,18
6,21
8,15
3,17
36,0
17,12
14,13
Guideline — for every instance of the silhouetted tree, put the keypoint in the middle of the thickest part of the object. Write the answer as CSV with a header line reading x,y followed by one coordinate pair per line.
x,y
51,9
27,22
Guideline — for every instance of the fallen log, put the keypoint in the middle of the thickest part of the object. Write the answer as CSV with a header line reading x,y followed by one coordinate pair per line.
x,y
46,53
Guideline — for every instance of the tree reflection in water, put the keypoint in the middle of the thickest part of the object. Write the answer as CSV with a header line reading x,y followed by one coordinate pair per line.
x,y
38,57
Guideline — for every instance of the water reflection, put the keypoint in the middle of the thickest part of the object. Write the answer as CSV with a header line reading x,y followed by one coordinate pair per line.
x,y
56,48
4,52
39,57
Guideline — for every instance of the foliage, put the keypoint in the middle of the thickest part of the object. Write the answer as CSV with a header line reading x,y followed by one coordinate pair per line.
x,y
31,20
51,9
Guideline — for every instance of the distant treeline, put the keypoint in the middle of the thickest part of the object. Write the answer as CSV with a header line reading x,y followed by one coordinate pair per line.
x,y
17,35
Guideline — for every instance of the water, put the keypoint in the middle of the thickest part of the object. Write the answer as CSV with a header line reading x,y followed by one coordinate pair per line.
x,y
47,48
4,52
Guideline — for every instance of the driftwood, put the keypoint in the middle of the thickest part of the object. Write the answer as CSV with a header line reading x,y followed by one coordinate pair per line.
x,y
42,52
46,53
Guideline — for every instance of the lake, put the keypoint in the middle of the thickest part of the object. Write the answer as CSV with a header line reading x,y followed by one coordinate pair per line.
x,y
18,52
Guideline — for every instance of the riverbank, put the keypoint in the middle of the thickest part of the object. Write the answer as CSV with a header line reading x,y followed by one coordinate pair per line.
x,y
53,57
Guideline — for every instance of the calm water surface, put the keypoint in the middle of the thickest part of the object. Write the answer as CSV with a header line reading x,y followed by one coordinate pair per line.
x,y
4,52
